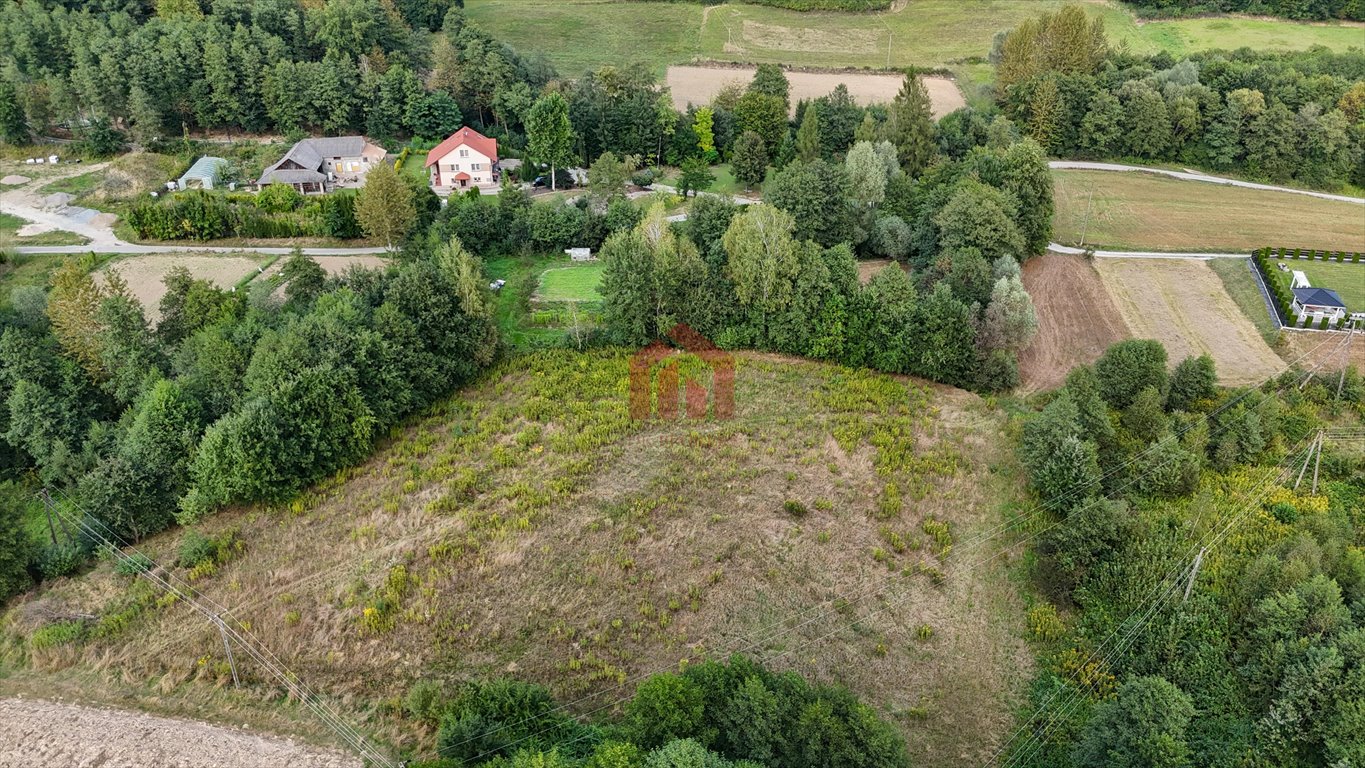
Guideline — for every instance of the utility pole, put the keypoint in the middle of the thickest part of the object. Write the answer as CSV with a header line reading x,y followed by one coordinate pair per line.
x,y
1312,447
1317,464
222,630
48,504
1085,223
1198,560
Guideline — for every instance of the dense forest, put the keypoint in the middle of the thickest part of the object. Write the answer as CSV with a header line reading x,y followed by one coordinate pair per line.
x,y
1296,116
1263,661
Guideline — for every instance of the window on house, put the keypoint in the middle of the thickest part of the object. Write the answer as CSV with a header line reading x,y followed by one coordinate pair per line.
x,y
464,153
476,167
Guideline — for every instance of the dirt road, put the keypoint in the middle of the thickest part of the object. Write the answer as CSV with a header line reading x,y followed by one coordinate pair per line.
x,y
41,734
1193,176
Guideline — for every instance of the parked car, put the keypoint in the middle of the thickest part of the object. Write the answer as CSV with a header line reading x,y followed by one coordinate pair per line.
x,y
563,180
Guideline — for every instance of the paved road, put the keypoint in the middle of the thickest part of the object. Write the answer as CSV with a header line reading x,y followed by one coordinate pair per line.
x,y
1188,176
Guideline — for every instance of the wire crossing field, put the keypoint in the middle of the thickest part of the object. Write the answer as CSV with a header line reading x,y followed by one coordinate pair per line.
x,y
1140,211
1348,280
576,283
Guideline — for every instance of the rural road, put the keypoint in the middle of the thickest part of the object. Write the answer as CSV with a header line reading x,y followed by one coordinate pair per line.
x,y
36,733
118,246
1059,248
1076,165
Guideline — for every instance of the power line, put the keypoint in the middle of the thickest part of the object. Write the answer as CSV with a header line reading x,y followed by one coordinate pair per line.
x,y
148,569
776,630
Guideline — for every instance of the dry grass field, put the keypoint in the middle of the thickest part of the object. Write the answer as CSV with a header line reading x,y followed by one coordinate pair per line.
x,y
698,84
1138,211
1077,319
529,527
1184,305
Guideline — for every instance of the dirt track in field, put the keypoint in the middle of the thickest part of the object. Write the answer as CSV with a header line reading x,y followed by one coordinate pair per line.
x,y
1183,304
697,85
1077,319
38,734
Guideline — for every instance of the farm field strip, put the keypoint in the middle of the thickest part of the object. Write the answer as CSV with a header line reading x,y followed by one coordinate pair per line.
x,y
1077,319
1184,305
698,84
1137,211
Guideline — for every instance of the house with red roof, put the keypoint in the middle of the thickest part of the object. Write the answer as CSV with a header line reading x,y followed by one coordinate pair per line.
x,y
465,160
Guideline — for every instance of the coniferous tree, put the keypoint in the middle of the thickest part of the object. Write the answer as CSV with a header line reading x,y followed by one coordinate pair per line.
x,y
808,142
749,159
910,126
384,208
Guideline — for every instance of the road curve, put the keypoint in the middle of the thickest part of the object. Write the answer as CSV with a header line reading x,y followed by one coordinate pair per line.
x,y
1077,165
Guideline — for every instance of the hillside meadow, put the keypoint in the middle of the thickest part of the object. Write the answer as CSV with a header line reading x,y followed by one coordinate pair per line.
x,y
577,35
527,526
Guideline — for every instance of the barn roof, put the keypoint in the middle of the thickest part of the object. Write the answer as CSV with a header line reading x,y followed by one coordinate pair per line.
x,y
310,154
1319,297
465,136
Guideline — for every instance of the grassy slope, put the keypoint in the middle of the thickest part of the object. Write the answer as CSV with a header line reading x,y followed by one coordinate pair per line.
x,y
1241,286
581,34
542,532
1147,212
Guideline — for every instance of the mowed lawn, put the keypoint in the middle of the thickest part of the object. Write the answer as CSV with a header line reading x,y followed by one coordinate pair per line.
x,y
576,283
577,35
1140,211
1348,280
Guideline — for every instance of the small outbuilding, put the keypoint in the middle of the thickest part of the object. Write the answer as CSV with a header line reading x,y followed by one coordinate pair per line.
x,y
205,172
1320,303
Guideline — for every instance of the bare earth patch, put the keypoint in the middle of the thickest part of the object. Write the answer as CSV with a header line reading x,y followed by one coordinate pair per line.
x,y
145,274
1077,319
697,85
1183,304
37,733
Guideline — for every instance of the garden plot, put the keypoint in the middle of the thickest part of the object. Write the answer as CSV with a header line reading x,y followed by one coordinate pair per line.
x,y
576,283
145,275
1183,304
697,85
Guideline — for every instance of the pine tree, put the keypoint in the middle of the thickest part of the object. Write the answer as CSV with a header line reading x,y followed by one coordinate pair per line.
x,y
384,208
808,135
910,126
1045,113
13,123
749,159
703,125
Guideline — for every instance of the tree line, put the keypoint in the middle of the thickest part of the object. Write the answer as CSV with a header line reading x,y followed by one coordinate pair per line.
x,y
232,397
1293,116
1306,10
1266,659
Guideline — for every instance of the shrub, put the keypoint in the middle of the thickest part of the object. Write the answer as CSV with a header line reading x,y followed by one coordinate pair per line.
x,y
133,565
60,560
643,177
196,549
61,633
794,508
278,198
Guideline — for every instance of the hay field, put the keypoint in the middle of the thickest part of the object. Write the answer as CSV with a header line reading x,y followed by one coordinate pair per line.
x,y
578,35
529,527
1182,303
1141,211
698,84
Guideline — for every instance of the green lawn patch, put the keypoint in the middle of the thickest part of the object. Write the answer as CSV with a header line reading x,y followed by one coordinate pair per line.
x,y
74,185
576,283
1347,279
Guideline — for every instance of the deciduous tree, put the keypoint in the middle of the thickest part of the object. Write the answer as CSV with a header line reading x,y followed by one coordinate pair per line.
x,y
384,208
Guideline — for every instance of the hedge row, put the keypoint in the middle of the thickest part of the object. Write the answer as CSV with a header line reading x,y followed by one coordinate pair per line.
x,y
1306,253
1284,300
201,215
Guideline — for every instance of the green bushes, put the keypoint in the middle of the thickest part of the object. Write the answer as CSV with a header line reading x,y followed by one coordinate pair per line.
x,y
710,714
277,212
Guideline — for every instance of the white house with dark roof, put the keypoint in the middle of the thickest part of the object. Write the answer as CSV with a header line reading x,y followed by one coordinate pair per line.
x,y
1319,303
311,165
